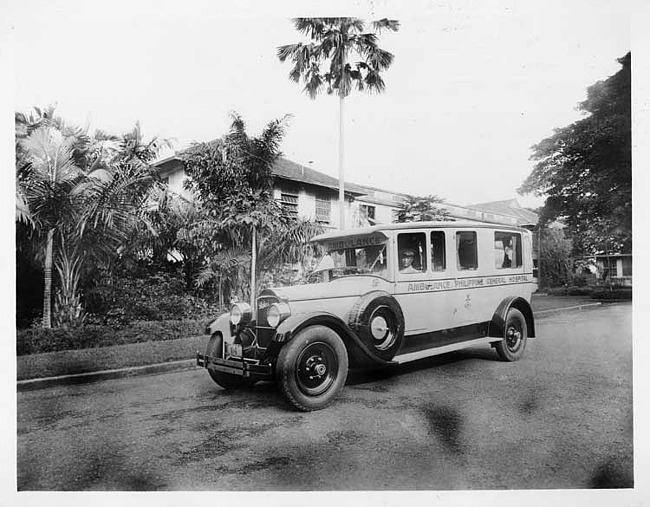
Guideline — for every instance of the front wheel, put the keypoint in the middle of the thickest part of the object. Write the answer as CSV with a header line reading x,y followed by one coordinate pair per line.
x,y
225,380
312,368
511,348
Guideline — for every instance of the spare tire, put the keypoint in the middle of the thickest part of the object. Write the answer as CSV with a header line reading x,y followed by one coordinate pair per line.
x,y
378,320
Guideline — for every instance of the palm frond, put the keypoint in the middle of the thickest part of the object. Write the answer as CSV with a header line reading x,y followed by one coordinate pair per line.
x,y
334,40
385,24
288,51
378,59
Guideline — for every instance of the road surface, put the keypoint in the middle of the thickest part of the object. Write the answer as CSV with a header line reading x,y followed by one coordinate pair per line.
x,y
559,418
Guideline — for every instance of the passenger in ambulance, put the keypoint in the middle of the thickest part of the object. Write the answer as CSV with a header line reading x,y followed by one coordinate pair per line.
x,y
406,258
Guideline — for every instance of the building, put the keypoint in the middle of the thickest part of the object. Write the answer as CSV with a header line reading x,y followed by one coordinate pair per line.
x,y
313,195
309,194
609,269
495,210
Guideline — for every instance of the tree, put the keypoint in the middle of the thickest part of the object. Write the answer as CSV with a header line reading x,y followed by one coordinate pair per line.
x,y
585,169
555,261
421,209
240,229
82,195
334,43
47,180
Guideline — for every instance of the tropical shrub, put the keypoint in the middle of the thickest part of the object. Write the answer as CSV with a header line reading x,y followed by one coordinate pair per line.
x,y
150,297
39,340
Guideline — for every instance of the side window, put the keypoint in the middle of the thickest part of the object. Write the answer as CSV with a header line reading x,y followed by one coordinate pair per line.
x,y
438,251
411,251
507,250
466,250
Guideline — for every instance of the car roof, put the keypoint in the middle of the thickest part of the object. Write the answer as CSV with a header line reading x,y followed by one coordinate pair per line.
x,y
437,224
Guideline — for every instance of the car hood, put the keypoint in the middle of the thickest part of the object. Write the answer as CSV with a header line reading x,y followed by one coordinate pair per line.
x,y
341,287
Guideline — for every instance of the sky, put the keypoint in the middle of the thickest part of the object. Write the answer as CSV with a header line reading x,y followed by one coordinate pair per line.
x,y
473,85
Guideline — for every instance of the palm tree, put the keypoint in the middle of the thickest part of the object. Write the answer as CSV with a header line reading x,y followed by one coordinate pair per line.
x,y
335,43
46,179
240,227
422,209
85,193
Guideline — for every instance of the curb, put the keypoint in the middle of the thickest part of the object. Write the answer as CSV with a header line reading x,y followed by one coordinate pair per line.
x,y
185,364
566,308
96,376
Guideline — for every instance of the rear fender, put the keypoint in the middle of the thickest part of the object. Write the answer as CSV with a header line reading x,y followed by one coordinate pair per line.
x,y
358,352
498,322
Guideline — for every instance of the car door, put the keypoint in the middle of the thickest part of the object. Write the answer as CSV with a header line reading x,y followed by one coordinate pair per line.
x,y
411,279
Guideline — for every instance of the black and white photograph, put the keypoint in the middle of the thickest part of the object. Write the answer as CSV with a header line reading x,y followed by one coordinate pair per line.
x,y
267,255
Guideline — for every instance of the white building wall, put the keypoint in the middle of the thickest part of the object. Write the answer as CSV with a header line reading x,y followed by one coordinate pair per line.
x,y
383,214
307,207
175,183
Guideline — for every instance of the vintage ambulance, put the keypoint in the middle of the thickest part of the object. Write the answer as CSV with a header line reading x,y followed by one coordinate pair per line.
x,y
379,297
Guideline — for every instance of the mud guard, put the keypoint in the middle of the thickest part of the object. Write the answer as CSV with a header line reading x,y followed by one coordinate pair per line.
x,y
498,321
357,349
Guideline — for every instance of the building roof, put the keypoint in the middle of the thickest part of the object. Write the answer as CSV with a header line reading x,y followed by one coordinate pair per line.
x,y
509,207
283,168
293,171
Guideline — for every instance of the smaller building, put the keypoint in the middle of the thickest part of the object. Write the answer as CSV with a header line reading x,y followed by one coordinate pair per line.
x,y
610,269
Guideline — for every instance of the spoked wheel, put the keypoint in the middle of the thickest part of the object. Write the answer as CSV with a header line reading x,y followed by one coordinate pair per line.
x,y
225,380
312,368
515,337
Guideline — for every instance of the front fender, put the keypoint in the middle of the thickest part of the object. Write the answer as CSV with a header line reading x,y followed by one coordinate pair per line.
x,y
295,323
498,322
220,325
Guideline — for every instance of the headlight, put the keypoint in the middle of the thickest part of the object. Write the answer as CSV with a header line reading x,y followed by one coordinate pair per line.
x,y
240,313
276,313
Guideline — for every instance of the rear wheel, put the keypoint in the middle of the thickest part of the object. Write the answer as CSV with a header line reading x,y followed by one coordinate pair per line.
x,y
225,380
312,368
511,348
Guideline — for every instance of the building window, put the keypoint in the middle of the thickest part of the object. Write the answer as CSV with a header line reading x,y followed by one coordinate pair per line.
x,y
611,267
368,211
627,266
507,250
290,203
323,209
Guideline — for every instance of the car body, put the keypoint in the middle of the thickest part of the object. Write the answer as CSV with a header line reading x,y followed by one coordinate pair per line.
x,y
380,296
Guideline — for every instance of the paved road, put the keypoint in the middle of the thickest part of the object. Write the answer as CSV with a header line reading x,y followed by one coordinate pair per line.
x,y
559,418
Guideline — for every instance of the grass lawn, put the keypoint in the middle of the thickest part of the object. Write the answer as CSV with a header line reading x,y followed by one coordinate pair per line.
x,y
66,362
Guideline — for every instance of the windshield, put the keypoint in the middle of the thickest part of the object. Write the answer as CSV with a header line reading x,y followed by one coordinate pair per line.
x,y
370,259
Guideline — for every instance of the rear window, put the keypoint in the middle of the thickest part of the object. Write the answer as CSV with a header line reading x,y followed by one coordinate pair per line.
x,y
507,250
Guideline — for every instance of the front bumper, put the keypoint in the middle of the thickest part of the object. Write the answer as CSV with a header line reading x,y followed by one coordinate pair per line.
x,y
241,367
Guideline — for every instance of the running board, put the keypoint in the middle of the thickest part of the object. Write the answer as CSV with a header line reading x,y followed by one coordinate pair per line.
x,y
414,356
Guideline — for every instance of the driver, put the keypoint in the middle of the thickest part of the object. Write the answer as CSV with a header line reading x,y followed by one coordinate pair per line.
x,y
406,258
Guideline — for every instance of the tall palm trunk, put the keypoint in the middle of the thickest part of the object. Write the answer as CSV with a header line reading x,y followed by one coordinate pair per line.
x,y
341,167
253,269
47,291
341,152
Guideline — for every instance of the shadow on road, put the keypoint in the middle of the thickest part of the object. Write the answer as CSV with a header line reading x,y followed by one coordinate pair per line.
x,y
361,376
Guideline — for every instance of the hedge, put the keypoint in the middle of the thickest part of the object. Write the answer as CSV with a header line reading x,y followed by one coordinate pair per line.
x,y
38,340
614,294
601,293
